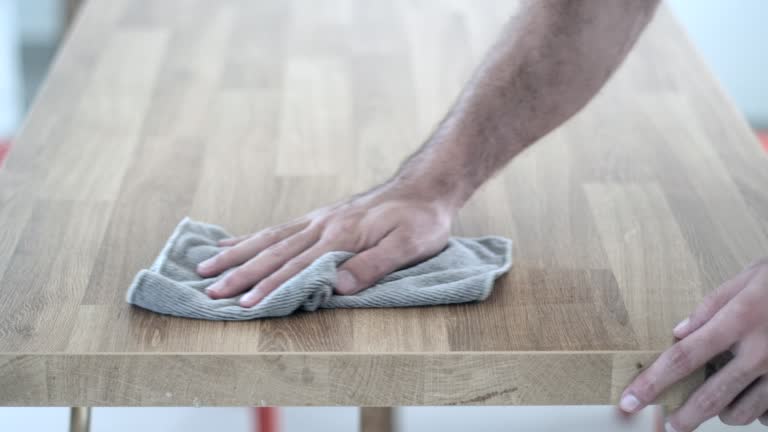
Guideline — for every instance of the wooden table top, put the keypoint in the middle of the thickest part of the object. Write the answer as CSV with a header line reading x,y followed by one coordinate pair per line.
x,y
249,113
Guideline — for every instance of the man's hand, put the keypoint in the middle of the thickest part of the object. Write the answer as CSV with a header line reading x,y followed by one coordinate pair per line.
x,y
386,228
733,318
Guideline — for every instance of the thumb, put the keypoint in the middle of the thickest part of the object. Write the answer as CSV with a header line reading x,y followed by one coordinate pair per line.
x,y
367,267
713,302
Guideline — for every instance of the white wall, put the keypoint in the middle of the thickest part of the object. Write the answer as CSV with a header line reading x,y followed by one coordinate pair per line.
x,y
341,419
129,419
22,22
732,36
10,78
40,21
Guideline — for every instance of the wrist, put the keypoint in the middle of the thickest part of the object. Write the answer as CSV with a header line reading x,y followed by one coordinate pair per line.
x,y
439,172
448,192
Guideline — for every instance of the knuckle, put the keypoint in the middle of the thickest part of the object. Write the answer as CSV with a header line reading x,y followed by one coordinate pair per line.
x,y
347,225
275,252
269,235
266,286
709,305
707,404
343,226
410,246
738,308
748,316
297,264
321,218
227,255
369,269
645,388
738,416
340,240
365,266
756,360
679,358
721,336
235,280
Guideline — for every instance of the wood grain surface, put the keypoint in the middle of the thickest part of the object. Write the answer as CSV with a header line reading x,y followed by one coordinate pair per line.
x,y
249,113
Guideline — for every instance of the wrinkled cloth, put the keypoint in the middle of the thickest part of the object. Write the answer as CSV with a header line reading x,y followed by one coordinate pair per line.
x,y
464,271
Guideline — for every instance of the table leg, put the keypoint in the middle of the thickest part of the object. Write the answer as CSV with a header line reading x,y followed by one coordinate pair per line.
x,y
377,419
265,419
79,419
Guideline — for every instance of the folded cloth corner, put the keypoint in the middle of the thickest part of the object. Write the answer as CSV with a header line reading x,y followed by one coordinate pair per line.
x,y
464,271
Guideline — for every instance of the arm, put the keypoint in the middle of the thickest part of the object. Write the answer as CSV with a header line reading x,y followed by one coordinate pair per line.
x,y
550,60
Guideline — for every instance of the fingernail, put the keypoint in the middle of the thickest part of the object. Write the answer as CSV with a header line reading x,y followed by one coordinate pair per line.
x,y
213,288
247,298
681,326
669,428
345,282
629,403
205,265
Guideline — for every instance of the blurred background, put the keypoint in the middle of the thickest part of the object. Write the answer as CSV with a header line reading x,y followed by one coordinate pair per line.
x,y
341,419
729,34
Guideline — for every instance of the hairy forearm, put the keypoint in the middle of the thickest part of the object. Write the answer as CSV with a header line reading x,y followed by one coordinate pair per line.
x,y
552,57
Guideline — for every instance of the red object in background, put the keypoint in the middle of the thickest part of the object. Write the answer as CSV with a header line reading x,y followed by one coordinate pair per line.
x,y
265,419
763,135
5,145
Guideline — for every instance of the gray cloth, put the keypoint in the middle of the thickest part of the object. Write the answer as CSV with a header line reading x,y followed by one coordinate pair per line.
x,y
464,271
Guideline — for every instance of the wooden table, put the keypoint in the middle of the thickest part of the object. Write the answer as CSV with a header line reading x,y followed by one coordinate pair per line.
x,y
248,113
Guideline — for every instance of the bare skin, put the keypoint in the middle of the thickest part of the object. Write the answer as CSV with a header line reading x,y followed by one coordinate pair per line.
x,y
550,60
732,318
